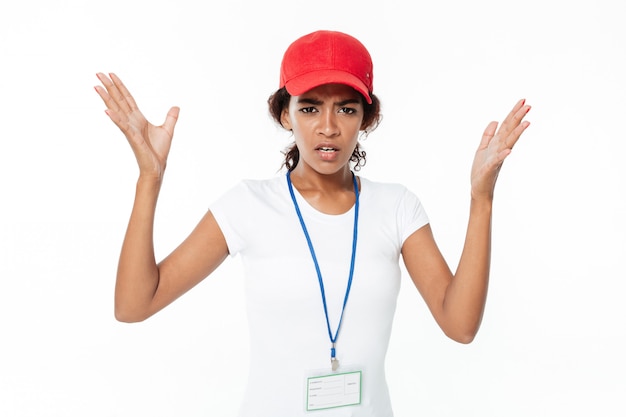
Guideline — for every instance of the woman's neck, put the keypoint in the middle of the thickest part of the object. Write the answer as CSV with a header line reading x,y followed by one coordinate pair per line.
x,y
328,193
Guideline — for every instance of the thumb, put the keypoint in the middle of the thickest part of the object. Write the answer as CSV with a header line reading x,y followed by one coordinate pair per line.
x,y
171,119
488,134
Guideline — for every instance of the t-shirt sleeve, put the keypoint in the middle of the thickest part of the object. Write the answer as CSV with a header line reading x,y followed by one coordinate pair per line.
x,y
227,211
411,216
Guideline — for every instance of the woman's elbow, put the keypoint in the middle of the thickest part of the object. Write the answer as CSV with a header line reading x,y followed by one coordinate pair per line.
x,y
129,316
465,339
463,336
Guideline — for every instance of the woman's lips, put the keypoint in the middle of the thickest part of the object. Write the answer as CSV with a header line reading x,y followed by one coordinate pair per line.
x,y
327,153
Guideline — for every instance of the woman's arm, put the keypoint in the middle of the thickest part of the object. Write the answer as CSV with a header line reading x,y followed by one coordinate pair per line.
x,y
143,287
457,301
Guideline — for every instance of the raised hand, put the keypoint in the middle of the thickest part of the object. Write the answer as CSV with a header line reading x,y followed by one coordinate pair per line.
x,y
150,143
494,147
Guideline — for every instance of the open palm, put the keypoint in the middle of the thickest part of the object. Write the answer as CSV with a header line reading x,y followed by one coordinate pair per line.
x,y
151,144
494,147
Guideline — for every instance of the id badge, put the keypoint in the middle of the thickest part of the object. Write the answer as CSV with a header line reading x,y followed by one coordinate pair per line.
x,y
333,390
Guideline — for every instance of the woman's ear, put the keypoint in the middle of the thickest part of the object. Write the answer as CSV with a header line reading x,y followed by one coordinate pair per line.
x,y
285,121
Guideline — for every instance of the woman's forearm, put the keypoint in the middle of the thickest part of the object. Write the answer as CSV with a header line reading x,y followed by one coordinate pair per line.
x,y
138,273
466,295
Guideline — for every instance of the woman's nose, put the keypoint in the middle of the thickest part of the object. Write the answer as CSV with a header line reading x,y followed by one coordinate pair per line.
x,y
328,124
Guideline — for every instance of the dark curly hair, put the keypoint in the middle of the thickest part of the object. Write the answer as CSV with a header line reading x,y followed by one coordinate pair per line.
x,y
278,101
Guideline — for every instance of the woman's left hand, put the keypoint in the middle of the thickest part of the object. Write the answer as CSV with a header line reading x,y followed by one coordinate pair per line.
x,y
494,147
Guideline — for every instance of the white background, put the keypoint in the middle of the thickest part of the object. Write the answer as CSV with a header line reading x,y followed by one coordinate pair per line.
x,y
554,332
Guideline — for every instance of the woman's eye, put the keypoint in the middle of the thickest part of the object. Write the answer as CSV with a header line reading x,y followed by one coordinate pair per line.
x,y
347,110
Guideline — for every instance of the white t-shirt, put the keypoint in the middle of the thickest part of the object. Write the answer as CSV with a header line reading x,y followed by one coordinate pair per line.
x,y
289,338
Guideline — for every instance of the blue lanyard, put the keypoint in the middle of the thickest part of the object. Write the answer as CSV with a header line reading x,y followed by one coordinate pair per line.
x,y
333,339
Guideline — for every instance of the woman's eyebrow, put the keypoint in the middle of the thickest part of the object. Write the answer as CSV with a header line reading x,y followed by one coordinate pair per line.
x,y
347,101
305,100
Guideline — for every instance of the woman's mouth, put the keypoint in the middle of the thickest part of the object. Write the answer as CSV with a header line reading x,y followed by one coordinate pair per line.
x,y
327,153
325,149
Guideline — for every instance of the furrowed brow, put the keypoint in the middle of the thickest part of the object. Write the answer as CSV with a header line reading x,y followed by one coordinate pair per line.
x,y
316,102
348,101
304,100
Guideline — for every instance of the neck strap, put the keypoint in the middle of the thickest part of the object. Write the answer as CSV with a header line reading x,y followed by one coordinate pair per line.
x,y
333,337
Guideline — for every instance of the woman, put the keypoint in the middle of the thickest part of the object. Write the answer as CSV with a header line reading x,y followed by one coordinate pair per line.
x,y
320,245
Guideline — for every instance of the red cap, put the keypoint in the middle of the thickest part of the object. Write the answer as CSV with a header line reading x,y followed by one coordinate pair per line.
x,y
326,57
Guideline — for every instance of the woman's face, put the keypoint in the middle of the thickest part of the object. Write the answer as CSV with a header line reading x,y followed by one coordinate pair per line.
x,y
325,122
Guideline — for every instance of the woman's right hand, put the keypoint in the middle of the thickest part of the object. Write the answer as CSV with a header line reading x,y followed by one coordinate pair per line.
x,y
150,143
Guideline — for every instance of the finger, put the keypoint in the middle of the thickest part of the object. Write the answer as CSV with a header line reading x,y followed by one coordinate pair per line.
x,y
516,108
488,134
108,92
121,122
106,98
515,117
514,136
502,156
113,110
103,92
124,92
170,120
117,99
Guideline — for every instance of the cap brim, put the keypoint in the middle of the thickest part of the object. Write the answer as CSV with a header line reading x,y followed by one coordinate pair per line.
x,y
303,83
